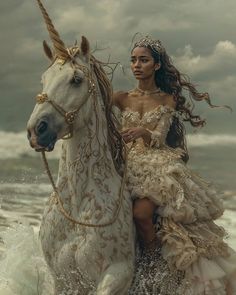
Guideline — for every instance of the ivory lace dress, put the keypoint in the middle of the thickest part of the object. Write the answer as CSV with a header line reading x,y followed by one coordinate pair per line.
x,y
193,258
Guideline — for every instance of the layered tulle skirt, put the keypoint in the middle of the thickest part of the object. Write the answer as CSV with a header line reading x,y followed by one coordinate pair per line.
x,y
187,206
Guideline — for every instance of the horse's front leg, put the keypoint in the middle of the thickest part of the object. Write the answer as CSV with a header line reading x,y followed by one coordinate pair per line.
x,y
116,280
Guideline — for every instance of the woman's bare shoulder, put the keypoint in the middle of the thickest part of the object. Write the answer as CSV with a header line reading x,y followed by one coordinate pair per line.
x,y
119,97
169,100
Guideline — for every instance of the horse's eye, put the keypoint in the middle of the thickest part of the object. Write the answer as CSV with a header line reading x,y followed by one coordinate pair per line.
x,y
76,80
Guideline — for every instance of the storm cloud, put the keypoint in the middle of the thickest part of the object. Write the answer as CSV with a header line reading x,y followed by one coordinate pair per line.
x,y
199,36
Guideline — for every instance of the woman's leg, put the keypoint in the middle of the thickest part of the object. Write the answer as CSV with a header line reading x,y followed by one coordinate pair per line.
x,y
143,210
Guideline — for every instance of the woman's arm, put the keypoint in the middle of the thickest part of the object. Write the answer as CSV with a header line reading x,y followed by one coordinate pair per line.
x,y
118,98
152,138
157,137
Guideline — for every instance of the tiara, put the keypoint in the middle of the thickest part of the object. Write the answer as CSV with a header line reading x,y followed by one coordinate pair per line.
x,y
148,41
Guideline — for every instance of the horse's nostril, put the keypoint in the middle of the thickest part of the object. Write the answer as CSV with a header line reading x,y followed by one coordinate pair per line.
x,y
42,127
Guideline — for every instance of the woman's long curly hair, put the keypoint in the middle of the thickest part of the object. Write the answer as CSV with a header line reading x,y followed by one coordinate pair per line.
x,y
171,81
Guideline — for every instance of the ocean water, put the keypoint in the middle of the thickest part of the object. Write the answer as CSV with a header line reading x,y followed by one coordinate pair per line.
x,y
24,188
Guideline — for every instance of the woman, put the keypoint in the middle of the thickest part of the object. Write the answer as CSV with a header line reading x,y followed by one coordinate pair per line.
x,y
191,256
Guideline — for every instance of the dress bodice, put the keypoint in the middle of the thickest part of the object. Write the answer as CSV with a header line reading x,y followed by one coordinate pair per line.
x,y
150,119
157,121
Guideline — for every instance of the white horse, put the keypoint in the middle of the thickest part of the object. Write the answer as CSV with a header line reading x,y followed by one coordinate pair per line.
x,y
87,232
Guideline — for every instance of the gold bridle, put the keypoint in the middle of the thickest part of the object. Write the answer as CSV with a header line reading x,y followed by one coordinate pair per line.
x,y
70,116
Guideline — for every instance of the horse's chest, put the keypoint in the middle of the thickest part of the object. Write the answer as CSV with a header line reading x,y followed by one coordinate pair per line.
x,y
54,232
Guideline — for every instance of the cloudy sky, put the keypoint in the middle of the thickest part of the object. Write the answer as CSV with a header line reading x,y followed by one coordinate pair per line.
x,y
199,35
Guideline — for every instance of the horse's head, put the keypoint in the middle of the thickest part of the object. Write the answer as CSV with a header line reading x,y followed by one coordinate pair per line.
x,y
67,85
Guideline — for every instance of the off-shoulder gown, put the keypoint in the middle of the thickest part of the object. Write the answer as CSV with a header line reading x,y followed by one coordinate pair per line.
x,y
193,259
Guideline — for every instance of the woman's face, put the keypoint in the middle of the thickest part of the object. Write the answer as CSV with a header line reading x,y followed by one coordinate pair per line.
x,y
143,65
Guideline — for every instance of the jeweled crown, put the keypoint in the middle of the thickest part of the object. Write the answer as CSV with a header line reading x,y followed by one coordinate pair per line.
x,y
148,41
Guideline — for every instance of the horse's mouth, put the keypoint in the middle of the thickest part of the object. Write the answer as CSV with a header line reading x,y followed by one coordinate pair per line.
x,y
49,148
42,148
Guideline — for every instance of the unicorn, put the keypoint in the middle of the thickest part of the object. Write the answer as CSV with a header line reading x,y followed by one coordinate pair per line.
x,y
87,231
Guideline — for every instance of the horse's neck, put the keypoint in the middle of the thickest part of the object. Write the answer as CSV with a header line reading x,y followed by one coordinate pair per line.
x,y
89,144
86,166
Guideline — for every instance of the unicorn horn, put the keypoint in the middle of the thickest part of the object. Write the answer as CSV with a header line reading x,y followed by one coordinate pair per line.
x,y
59,45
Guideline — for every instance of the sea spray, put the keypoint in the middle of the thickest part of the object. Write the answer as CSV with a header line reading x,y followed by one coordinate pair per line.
x,y
23,270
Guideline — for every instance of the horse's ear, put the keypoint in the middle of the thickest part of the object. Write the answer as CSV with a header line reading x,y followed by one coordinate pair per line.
x,y
47,50
84,46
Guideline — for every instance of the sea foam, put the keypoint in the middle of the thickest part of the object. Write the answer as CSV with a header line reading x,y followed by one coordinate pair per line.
x,y
23,269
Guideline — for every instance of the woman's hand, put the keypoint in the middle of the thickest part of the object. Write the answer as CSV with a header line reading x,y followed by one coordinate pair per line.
x,y
134,133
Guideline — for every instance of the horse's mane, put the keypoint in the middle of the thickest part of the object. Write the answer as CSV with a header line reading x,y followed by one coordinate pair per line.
x,y
115,140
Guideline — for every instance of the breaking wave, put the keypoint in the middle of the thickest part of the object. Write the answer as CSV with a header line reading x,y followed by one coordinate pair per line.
x,y
15,145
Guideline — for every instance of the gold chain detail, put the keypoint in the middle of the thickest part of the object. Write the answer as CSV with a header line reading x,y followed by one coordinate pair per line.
x,y
68,216
70,117
41,98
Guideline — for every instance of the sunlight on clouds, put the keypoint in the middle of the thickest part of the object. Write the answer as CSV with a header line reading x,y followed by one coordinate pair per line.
x,y
225,47
187,60
221,59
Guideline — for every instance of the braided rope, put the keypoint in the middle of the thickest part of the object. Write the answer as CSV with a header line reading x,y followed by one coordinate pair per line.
x,y
59,45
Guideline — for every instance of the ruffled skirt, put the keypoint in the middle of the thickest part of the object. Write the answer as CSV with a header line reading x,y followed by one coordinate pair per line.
x,y
186,206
